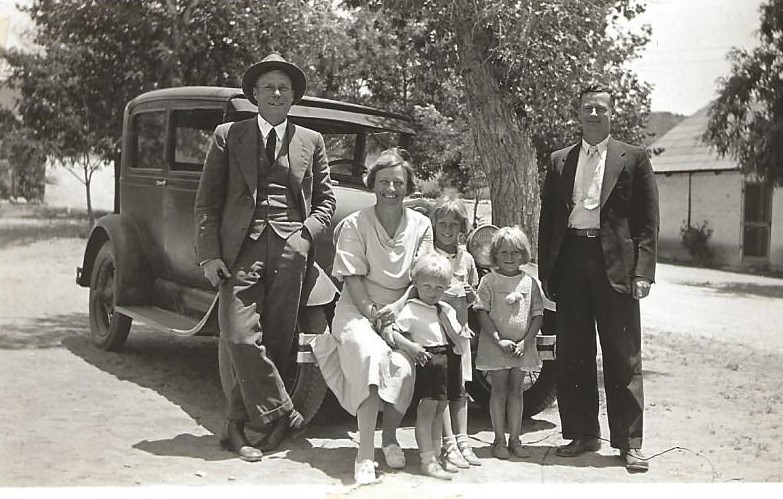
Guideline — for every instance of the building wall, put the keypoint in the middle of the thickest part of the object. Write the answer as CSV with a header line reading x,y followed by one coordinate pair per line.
x,y
776,234
716,198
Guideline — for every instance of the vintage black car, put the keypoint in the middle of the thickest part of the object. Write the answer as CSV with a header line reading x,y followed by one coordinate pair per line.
x,y
140,261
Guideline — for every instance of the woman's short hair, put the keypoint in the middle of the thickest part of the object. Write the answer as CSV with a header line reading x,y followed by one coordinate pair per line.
x,y
396,156
513,236
431,264
454,207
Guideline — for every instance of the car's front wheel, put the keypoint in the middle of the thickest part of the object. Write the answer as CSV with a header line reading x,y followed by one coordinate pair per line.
x,y
304,382
109,329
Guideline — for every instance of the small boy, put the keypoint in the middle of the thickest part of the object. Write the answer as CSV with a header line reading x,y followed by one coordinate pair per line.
x,y
429,330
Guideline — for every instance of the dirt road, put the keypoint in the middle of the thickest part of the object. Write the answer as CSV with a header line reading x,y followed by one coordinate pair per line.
x,y
72,415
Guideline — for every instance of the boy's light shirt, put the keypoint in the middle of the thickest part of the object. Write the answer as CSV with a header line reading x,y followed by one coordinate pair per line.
x,y
411,317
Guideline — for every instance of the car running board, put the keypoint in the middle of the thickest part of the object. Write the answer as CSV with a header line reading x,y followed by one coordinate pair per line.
x,y
166,320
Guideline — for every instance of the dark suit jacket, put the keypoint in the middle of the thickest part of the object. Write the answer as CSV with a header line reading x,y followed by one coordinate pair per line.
x,y
629,213
225,201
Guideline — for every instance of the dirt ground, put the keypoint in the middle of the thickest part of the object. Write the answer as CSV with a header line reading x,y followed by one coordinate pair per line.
x,y
73,416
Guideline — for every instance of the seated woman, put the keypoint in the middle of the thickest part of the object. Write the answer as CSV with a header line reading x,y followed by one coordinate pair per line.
x,y
375,249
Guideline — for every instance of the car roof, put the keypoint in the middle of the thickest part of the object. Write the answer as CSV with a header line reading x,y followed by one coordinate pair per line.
x,y
309,108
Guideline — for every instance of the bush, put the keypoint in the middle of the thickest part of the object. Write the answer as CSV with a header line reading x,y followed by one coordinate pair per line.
x,y
694,238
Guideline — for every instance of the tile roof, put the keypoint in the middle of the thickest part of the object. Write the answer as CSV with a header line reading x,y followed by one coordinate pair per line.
x,y
684,150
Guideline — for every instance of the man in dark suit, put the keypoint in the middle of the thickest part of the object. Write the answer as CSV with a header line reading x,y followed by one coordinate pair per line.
x,y
598,237
265,195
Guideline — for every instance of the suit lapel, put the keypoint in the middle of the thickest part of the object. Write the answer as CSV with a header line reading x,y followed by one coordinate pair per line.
x,y
568,174
246,153
615,162
291,158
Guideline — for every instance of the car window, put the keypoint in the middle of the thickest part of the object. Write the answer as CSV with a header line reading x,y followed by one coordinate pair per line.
x,y
340,149
192,133
148,137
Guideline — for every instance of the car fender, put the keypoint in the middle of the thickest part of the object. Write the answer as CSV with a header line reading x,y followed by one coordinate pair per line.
x,y
133,277
323,291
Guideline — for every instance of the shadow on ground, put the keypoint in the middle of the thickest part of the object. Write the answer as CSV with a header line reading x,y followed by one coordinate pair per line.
x,y
743,288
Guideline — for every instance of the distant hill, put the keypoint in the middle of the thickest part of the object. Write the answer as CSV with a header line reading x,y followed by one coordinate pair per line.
x,y
659,123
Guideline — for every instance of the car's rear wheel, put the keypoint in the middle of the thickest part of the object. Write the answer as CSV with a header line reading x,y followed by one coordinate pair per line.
x,y
109,329
304,382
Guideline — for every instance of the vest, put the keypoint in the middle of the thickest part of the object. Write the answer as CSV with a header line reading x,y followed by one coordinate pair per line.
x,y
275,206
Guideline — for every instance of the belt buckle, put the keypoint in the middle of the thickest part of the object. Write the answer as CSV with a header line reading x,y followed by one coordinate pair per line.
x,y
591,233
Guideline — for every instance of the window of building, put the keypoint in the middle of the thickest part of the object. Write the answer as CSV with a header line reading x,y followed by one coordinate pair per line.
x,y
756,220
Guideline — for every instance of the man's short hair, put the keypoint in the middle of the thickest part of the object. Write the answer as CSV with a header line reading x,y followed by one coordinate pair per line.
x,y
595,88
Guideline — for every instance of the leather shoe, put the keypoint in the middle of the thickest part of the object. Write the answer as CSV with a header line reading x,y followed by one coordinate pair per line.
x,y
635,461
579,446
233,439
281,428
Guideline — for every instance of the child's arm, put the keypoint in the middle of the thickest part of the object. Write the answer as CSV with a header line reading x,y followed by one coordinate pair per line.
x,y
488,329
415,351
532,330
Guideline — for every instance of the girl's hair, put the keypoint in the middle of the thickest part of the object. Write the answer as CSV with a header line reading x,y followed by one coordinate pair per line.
x,y
431,264
512,236
396,156
451,206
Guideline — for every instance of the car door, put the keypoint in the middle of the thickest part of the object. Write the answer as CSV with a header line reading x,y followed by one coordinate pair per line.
x,y
190,130
144,180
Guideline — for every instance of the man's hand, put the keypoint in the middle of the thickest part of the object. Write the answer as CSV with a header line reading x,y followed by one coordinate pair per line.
x,y
215,270
640,287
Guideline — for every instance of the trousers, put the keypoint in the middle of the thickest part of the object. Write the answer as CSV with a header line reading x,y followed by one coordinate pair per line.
x,y
585,299
257,314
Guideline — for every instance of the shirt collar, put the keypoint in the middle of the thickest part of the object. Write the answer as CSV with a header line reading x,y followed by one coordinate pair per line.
x,y
265,127
602,146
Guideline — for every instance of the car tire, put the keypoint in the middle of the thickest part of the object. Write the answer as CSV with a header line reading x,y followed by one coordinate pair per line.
x,y
109,329
304,382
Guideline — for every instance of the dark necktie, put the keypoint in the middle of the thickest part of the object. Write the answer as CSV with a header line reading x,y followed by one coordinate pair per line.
x,y
271,142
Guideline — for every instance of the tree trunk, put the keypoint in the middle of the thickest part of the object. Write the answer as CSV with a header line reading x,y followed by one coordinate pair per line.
x,y
504,147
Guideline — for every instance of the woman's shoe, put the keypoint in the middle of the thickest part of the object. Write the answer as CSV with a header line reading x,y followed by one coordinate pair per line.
x,y
519,450
364,472
454,456
499,449
394,456
433,468
470,456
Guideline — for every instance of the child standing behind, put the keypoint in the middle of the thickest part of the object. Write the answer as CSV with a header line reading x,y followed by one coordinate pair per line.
x,y
432,328
450,224
510,310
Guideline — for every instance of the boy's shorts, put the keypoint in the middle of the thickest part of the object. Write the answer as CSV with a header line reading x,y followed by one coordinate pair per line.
x,y
440,378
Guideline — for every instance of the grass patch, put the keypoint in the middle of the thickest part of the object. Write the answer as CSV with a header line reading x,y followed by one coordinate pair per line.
x,y
21,225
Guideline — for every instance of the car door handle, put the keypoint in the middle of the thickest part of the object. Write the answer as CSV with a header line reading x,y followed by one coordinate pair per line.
x,y
160,182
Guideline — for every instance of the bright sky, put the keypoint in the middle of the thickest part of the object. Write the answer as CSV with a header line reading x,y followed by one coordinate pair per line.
x,y
686,55
688,49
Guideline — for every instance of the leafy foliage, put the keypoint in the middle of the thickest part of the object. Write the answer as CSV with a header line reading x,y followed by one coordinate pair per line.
x,y
746,120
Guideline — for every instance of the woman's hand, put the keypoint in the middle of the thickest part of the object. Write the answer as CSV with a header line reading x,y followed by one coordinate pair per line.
x,y
384,316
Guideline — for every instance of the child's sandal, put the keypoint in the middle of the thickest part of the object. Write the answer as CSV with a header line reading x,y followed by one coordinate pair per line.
x,y
470,456
519,450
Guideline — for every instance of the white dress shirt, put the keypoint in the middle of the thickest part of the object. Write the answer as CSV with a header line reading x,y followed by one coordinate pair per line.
x,y
280,129
587,169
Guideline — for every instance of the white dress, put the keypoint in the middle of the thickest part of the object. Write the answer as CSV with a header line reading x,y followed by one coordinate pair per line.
x,y
353,356
512,302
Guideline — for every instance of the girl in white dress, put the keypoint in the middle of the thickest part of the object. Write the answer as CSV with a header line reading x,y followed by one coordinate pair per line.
x,y
510,309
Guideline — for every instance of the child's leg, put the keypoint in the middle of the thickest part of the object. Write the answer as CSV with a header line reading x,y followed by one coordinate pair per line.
x,y
367,417
448,433
438,425
515,403
497,402
425,419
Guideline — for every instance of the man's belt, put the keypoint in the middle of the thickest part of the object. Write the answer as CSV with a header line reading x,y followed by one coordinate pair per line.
x,y
584,232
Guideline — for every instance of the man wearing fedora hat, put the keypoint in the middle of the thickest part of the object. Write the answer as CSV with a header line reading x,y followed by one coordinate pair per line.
x,y
264,197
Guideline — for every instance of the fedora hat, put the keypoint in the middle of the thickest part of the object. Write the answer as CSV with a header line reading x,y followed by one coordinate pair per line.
x,y
274,62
